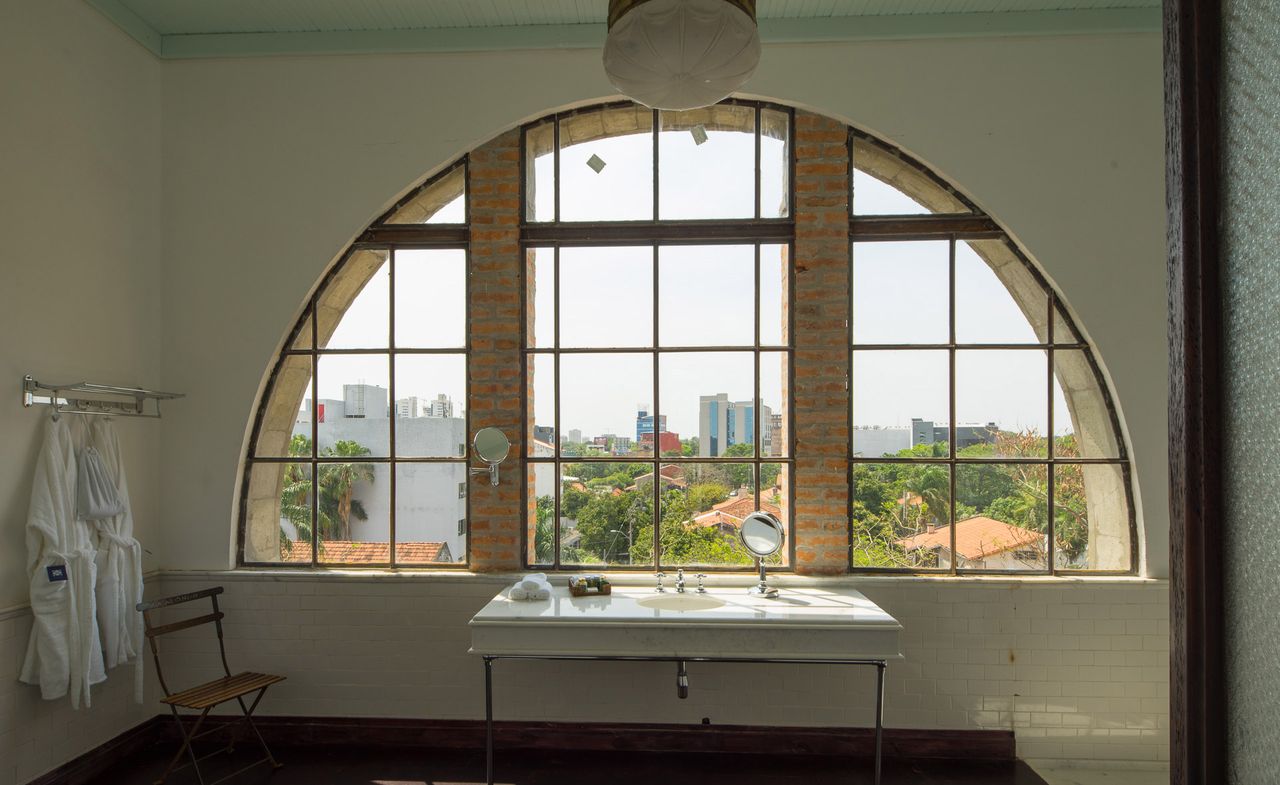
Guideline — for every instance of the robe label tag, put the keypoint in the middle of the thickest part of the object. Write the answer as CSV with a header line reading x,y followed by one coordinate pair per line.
x,y
57,572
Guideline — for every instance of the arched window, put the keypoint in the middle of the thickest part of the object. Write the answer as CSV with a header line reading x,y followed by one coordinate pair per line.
x,y
983,436
659,358
359,447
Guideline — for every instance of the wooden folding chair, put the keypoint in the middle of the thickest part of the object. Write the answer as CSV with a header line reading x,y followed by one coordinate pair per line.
x,y
205,697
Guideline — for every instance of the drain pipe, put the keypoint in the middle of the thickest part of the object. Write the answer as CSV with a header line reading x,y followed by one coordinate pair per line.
x,y
682,680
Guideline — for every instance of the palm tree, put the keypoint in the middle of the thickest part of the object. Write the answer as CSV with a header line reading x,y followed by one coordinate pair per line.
x,y
933,486
337,489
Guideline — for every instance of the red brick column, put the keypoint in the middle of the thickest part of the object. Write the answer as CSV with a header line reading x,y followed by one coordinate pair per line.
x,y
821,345
494,367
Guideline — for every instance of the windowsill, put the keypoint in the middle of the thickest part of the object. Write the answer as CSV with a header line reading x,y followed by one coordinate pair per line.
x,y
743,579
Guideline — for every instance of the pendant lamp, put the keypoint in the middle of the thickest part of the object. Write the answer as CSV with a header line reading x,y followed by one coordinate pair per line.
x,y
681,54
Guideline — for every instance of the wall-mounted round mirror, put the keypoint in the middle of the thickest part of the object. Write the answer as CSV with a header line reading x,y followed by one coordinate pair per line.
x,y
762,535
491,445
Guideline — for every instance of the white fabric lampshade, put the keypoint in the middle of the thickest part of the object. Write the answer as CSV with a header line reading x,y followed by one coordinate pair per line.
x,y
681,54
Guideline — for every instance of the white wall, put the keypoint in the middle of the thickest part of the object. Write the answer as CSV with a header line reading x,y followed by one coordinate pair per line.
x,y
272,165
1077,672
80,216
79,299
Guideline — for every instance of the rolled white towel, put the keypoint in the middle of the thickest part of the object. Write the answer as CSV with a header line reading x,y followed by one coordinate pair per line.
x,y
534,582
541,594
535,576
517,593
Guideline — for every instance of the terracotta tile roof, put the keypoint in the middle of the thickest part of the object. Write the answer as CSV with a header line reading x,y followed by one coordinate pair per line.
x,y
976,538
352,552
733,511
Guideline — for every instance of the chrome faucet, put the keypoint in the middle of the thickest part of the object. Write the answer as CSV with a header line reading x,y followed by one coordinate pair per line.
x,y
700,576
680,580
659,576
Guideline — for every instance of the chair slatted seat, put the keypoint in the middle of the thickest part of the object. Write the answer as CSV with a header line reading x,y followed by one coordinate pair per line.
x,y
204,697
221,690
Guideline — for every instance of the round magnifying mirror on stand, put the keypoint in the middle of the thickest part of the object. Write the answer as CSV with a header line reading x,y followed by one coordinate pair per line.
x,y
762,535
491,446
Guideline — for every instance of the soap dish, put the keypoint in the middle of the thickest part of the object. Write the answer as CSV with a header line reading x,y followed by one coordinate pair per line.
x,y
589,586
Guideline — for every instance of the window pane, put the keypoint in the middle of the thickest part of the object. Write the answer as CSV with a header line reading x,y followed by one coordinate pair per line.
x,y
278,514
900,515
540,529
442,202
431,299
1091,517
606,165
1002,515
607,513
775,295
775,164
997,298
287,412
1002,404
355,306
540,172
706,295
885,184
540,298
706,161
1082,425
900,292
354,515
703,506
710,394
900,402
353,408
541,389
601,395
775,385
775,497
431,513
430,410
606,297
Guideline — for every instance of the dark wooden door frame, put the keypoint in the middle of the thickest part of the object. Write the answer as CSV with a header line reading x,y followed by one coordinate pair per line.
x,y
1192,37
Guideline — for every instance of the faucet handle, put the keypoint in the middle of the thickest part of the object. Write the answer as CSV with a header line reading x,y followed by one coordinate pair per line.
x,y
659,576
701,589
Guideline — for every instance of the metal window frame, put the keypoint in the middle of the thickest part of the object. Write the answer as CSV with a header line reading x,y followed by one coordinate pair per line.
x,y
956,229
391,238
655,234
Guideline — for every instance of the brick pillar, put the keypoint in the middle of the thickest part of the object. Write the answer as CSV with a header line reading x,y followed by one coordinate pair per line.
x,y
821,345
494,367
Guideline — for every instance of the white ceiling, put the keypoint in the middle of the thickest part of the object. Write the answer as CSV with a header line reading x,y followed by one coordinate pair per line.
x,y
203,28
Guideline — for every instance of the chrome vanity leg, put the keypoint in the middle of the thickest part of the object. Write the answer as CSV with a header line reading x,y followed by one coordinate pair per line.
x,y
880,666
488,720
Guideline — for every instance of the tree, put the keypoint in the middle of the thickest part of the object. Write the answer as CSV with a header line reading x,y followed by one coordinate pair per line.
x,y
932,483
336,494
704,496
544,531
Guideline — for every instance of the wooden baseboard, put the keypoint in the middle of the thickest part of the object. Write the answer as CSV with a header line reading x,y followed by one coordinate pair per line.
x,y
378,732
904,743
87,768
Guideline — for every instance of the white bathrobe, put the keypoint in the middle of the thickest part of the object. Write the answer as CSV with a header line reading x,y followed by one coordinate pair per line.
x,y
64,654
119,562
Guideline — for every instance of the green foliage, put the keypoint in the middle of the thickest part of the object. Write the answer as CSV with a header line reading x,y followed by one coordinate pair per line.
x,y
337,502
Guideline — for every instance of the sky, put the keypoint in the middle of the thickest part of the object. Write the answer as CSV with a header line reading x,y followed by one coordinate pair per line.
x,y
706,297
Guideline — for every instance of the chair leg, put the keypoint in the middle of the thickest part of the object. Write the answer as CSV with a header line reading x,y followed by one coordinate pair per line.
x,y
248,720
186,746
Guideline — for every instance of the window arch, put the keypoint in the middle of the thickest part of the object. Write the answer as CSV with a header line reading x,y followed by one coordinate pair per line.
x,y
658,298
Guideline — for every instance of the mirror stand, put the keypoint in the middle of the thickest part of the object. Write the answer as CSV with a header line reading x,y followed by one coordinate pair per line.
x,y
491,446
491,470
763,589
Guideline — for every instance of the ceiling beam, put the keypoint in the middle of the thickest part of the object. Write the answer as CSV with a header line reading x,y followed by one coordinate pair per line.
x,y
591,36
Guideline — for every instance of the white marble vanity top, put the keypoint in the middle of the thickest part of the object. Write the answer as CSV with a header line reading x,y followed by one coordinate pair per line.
x,y
802,623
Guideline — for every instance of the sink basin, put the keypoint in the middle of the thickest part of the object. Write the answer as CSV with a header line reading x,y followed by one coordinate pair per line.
x,y
681,602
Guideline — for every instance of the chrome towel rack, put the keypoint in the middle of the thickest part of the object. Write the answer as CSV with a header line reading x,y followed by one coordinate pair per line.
x,y
118,401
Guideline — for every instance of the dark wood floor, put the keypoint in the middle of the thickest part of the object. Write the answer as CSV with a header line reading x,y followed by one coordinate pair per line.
x,y
353,766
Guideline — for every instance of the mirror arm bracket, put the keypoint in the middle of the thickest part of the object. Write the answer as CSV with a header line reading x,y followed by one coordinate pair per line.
x,y
491,470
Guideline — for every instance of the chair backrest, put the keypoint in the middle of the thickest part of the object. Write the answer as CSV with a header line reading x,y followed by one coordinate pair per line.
x,y
154,631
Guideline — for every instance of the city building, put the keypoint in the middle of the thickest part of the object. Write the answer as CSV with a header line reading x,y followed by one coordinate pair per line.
x,y
575,436
408,407
668,442
364,401
645,424
442,406
981,544
544,433
723,423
